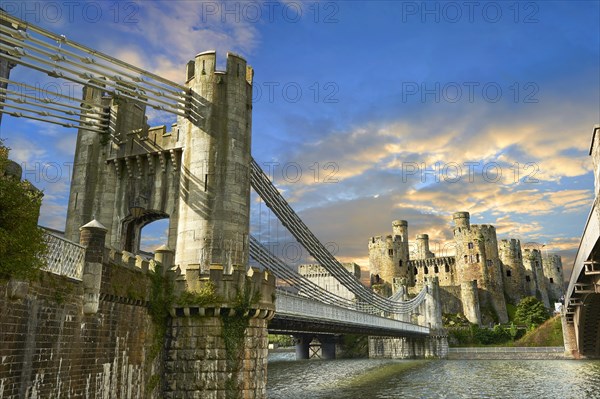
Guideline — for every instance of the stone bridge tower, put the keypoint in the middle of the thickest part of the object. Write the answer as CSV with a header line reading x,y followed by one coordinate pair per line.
x,y
197,174
214,206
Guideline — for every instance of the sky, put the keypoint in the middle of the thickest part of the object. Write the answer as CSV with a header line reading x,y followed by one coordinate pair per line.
x,y
367,112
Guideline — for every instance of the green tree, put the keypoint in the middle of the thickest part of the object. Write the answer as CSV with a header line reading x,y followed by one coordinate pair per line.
x,y
22,244
531,312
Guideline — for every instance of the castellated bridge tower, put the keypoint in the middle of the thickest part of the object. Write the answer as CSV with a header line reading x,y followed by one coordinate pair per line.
x,y
511,256
214,206
197,175
553,273
388,259
477,261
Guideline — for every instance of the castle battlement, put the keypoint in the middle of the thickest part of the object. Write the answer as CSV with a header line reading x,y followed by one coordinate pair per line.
x,y
430,262
221,293
205,63
384,241
128,260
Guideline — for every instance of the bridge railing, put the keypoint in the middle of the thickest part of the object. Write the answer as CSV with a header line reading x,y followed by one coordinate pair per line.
x,y
64,257
290,304
589,237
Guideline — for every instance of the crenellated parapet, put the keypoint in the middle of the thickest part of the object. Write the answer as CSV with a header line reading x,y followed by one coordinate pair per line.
x,y
443,268
218,293
129,260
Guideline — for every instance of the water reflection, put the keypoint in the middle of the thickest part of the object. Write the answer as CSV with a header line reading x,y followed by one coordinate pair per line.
x,y
387,379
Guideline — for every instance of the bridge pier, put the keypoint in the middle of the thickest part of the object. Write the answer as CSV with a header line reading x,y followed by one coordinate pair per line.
x,y
326,343
302,342
217,341
569,338
327,346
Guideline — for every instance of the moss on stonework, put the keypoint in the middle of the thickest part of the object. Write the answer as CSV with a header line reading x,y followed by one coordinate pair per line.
x,y
234,334
161,301
131,288
205,296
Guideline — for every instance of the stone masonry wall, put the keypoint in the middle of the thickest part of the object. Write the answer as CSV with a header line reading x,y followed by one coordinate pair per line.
x,y
203,372
50,348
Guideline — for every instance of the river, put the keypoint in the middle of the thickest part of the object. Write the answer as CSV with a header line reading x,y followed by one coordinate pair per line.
x,y
390,379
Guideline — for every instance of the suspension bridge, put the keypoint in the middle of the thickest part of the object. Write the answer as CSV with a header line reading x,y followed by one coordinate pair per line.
x,y
198,175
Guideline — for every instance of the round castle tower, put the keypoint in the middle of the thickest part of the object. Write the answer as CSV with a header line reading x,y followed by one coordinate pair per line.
x,y
477,260
553,271
513,276
388,257
423,251
532,260
214,216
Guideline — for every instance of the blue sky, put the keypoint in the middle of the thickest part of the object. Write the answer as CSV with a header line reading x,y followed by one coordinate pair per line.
x,y
408,110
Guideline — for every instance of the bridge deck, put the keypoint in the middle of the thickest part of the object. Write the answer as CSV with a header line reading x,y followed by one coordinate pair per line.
x,y
298,314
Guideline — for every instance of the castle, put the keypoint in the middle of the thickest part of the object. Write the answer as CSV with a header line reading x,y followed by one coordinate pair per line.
x,y
478,281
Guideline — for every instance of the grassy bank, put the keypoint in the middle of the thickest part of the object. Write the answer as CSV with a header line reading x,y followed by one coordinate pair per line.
x,y
548,334
376,375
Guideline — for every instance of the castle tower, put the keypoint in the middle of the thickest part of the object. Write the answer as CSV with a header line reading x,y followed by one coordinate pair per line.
x,y
423,251
511,257
477,260
553,272
534,275
388,258
461,220
93,183
214,208
400,232
197,175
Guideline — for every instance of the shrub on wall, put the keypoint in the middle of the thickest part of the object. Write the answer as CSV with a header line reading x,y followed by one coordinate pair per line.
x,y
22,245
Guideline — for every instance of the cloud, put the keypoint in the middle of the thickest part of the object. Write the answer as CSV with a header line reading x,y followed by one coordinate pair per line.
x,y
377,185
171,33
